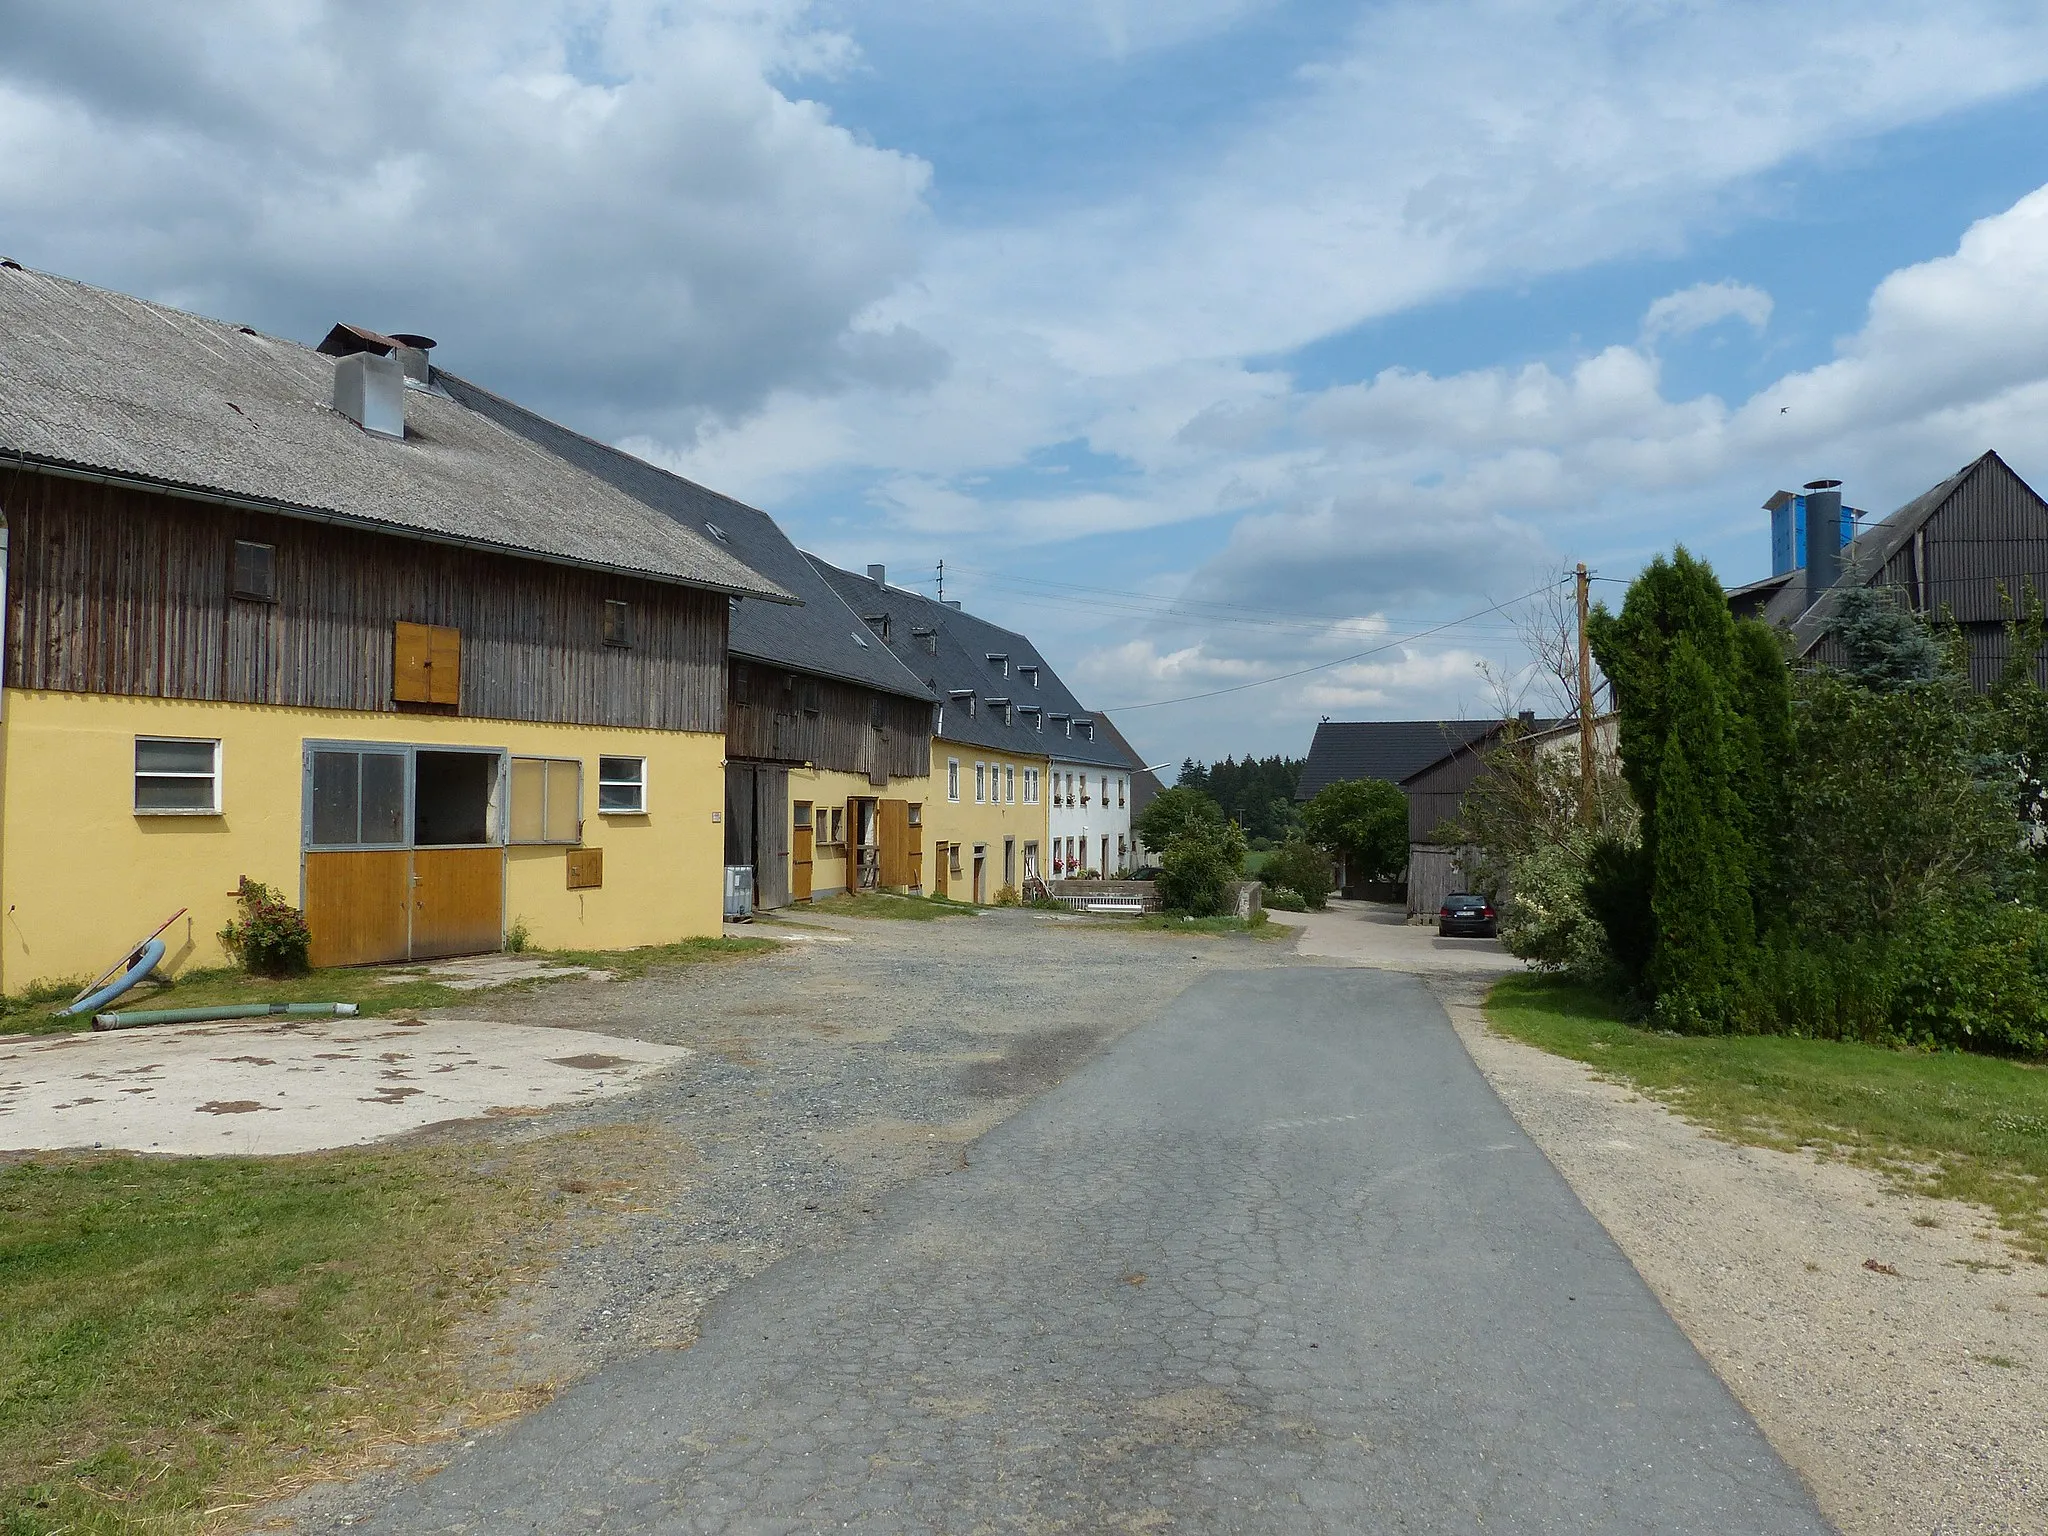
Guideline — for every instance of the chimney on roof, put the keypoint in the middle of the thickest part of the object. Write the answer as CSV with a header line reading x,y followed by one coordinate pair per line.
x,y
1527,719
369,389
411,353
879,575
953,603
1823,536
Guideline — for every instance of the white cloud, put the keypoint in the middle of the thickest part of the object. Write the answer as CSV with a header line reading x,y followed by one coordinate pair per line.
x,y
1704,304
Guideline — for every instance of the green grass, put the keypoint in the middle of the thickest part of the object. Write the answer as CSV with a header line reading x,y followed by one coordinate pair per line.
x,y
1943,1124
1254,862
374,989
179,1336
920,909
1173,922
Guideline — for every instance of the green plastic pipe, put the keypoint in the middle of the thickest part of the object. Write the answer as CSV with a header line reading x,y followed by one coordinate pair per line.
x,y
219,1012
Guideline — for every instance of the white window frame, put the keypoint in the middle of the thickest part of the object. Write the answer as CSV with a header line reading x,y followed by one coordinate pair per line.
x,y
136,776
603,783
981,783
1009,783
953,779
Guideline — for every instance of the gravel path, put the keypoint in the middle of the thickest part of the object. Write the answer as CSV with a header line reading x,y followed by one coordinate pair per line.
x,y
1279,1261
823,1077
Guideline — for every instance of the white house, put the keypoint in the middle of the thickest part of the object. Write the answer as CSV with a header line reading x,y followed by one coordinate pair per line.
x,y
1088,799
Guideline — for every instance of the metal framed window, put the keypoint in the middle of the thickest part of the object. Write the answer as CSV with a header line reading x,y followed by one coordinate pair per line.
x,y
622,786
357,796
177,776
547,800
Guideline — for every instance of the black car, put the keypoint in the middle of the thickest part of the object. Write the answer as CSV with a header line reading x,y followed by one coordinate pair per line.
x,y
1465,916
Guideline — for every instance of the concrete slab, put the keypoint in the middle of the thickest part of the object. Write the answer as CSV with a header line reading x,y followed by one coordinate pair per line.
x,y
477,972
264,1086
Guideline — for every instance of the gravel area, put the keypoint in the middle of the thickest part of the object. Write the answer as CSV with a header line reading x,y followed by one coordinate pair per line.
x,y
822,1077
1893,1349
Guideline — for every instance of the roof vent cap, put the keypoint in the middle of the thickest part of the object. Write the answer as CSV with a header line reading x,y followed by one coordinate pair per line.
x,y
370,391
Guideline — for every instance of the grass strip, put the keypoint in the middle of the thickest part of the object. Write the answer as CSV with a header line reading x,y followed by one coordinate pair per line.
x,y
1945,1124
178,1337
374,989
917,909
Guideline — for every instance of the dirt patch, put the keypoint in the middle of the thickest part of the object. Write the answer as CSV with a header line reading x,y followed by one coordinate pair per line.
x,y
590,1061
1032,1064
233,1107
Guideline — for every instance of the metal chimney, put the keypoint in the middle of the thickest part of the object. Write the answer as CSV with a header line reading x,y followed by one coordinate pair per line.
x,y
879,575
411,353
1823,536
370,391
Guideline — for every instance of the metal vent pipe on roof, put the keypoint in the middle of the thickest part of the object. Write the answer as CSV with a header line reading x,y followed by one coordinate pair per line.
x,y
370,391
411,353
1823,536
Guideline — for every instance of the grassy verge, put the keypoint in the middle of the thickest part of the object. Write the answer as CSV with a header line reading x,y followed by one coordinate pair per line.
x,y
1173,922
179,1337
374,989
919,909
1944,1124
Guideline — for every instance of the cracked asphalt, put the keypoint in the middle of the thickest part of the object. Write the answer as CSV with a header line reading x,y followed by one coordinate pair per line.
x,y
1277,1260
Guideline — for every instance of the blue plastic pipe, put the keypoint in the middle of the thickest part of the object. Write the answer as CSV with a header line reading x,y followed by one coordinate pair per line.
x,y
145,962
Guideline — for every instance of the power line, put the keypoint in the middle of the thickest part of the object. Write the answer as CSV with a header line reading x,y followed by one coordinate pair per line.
x,y
1324,666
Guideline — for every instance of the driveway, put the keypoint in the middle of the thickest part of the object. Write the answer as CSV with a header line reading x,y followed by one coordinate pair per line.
x,y
1371,933
1277,1260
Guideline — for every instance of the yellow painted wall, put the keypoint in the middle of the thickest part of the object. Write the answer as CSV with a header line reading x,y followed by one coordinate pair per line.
x,y
81,875
964,822
826,788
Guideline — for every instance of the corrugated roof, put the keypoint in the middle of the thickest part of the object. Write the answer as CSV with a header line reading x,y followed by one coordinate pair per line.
x,y
100,381
953,656
823,636
1382,749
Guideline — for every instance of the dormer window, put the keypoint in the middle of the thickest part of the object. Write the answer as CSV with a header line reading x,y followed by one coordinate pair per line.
x,y
878,622
999,663
927,637
1033,715
1029,674
1086,728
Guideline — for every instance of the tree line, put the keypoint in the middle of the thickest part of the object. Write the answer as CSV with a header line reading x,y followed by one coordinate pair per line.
x,y
1256,793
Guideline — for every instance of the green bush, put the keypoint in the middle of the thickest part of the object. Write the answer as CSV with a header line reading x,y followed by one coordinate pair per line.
x,y
1279,899
1199,866
1548,920
270,937
1302,868
1367,819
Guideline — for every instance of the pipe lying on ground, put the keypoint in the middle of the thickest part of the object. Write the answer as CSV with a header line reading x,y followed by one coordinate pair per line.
x,y
218,1013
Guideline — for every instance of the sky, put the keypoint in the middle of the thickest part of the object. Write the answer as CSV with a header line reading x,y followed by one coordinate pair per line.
x,y
1207,341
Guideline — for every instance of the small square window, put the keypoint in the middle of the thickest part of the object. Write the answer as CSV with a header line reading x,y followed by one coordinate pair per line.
x,y
547,800
176,776
255,576
618,623
622,786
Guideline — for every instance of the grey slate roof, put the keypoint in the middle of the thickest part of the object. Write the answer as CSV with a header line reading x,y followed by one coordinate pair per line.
x,y
1382,749
822,636
955,660
1863,557
104,382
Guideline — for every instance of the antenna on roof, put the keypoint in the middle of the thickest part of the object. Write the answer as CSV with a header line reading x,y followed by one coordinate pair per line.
x,y
942,582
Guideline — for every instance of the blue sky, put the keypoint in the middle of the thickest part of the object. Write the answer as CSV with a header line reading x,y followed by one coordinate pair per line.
x,y
1207,341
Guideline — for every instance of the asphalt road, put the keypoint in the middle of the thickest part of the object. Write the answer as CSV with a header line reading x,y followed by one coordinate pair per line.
x,y
1277,1262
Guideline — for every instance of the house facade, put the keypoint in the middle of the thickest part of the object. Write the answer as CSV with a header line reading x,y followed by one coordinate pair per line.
x,y
301,616
984,818
828,736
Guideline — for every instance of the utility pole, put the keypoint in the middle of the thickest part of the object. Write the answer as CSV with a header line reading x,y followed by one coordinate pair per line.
x,y
942,583
1585,704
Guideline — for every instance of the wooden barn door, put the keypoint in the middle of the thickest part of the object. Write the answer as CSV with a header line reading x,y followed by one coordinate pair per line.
x,y
893,829
458,901
940,860
800,854
358,906
771,837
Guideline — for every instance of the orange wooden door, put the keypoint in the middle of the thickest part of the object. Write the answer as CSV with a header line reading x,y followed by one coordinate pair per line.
x,y
800,865
458,901
356,906
892,830
939,852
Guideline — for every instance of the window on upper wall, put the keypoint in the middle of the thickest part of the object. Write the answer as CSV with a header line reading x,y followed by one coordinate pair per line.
x,y
1031,786
547,800
981,783
177,776
1119,791
255,571
618,623
953,778
802,814
426,664
1010,783
622,786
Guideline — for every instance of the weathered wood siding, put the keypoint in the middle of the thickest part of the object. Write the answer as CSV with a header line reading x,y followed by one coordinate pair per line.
x,y
126,592
775,715
1437,794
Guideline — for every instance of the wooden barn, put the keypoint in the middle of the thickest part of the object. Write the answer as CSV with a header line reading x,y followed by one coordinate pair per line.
x,y
305,617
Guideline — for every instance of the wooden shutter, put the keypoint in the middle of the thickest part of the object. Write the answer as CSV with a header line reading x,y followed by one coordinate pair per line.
x,y
893,831
426,664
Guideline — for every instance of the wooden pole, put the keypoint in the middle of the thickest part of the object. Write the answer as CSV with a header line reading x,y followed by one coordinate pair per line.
x,y
1585,705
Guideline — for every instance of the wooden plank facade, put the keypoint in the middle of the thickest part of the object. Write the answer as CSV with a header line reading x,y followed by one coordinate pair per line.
x,y
121,591
779,716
